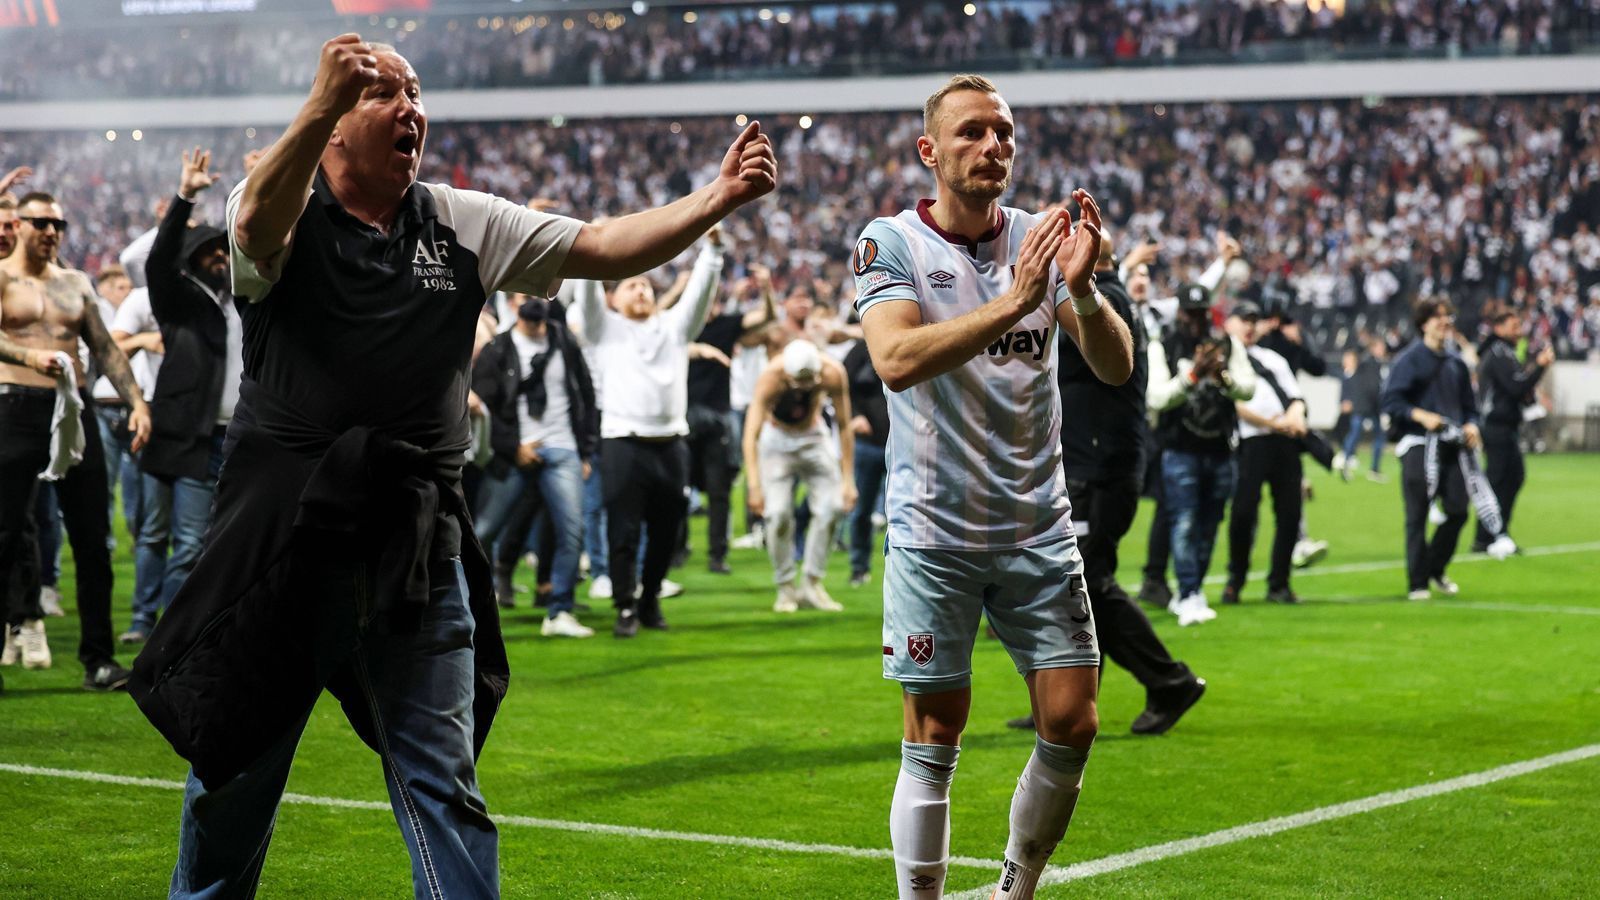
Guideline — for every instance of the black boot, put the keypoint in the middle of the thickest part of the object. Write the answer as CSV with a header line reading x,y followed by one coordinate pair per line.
x,y
504,592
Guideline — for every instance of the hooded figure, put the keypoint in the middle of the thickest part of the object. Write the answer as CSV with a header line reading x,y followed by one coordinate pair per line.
x,y
190,296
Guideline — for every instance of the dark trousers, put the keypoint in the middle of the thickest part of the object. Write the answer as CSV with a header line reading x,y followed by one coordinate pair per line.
x,y
1159,554
1269,460
713,465
1427,559
871,467
1505,472
82,494
644,483
1108,505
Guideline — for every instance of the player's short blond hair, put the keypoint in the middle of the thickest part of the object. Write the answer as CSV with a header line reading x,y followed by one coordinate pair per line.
x,y
957,83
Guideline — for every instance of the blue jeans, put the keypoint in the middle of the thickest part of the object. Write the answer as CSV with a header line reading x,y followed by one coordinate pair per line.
x,y
113,438
871,466
418,689
188,501
1197,489
511,500
47,519
594,526
1353,436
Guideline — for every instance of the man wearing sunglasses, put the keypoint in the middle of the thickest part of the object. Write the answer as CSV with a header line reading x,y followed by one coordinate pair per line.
x,y
45,309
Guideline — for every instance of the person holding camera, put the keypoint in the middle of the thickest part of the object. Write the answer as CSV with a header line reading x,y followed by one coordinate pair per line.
x,y
1271,426
1196,377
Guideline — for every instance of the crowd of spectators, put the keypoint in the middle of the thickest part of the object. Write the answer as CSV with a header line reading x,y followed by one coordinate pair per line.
x,y
1346,211
241,56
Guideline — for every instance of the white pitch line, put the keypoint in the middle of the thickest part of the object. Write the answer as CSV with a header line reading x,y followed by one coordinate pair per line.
x,y
1391,564
1443,603
726,840
1267,827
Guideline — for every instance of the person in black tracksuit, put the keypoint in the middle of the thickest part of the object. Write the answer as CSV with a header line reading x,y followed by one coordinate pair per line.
x,y
1103,456
1506,384
1428,397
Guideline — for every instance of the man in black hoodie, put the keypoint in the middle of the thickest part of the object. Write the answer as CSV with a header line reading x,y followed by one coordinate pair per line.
x,y
544,428
198,385
1507,384
1433,414
1103,456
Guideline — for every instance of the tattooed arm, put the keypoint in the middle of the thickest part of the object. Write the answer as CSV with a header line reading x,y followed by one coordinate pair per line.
x,y
114,364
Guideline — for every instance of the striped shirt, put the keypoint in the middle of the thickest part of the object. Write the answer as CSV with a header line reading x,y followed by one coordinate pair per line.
x,y
974,455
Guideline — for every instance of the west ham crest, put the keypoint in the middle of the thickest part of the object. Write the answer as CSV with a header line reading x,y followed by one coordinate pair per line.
x,y
920,648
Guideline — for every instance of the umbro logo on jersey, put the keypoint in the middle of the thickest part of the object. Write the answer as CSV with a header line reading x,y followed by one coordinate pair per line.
x,y
1083,637
942,279
1027,342
923,882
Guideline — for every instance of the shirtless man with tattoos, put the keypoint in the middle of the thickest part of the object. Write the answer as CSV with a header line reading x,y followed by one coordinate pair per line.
x,y
45,309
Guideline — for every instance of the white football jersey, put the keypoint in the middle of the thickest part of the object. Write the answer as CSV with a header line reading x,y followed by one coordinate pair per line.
x,y
974,455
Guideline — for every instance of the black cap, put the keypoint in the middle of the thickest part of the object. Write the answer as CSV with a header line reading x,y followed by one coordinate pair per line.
x,y
1194,296
1244,309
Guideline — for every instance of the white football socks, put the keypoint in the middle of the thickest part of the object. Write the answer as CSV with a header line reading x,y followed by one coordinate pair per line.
x,y
1041,809
919,819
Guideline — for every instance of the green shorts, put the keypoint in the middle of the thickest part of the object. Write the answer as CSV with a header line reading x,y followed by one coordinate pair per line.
x,y
934,601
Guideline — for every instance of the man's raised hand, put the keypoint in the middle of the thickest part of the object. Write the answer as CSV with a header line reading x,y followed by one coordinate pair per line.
x,y
195,177
1079,253
1039,246
749,169
347,67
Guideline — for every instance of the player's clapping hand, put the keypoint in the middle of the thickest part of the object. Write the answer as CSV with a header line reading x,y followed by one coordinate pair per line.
x,y
195,177
1079,252
749,169
348,67
1039,246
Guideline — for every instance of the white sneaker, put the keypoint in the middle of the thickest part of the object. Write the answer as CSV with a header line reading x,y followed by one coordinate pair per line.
x,y
1445,586
788,598
31,641
1420,594
670,589
1193,609
1307,551
50,601
9,656
600,588
565,624
755,540
1502,547
532,559
1436,515
1338,459
814,596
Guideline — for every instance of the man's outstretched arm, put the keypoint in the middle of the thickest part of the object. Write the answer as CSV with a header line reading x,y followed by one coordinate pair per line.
x,y
623,247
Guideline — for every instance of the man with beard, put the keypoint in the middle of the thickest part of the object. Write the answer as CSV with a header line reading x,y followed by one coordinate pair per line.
x,y
45,310
197,386
340,554
960,300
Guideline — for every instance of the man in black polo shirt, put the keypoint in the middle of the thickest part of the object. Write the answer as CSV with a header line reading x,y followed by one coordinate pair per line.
x,y
1507,384
713,446
340,553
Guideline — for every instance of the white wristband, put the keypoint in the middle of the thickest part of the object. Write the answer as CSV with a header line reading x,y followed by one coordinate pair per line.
x,y
1087,306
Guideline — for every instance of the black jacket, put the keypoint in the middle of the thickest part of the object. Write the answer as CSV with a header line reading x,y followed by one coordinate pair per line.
x,y
183,412
1103,427
1505,382
497,378
866,394
1437,382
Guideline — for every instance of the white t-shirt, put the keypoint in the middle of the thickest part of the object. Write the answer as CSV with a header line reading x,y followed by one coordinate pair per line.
x,y
554,428
134,317
1265,403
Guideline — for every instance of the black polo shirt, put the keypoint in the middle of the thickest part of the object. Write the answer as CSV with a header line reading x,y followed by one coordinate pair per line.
x,y
352,326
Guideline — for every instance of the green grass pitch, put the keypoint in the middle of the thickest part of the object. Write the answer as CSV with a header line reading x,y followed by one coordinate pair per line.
x,y
742,723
